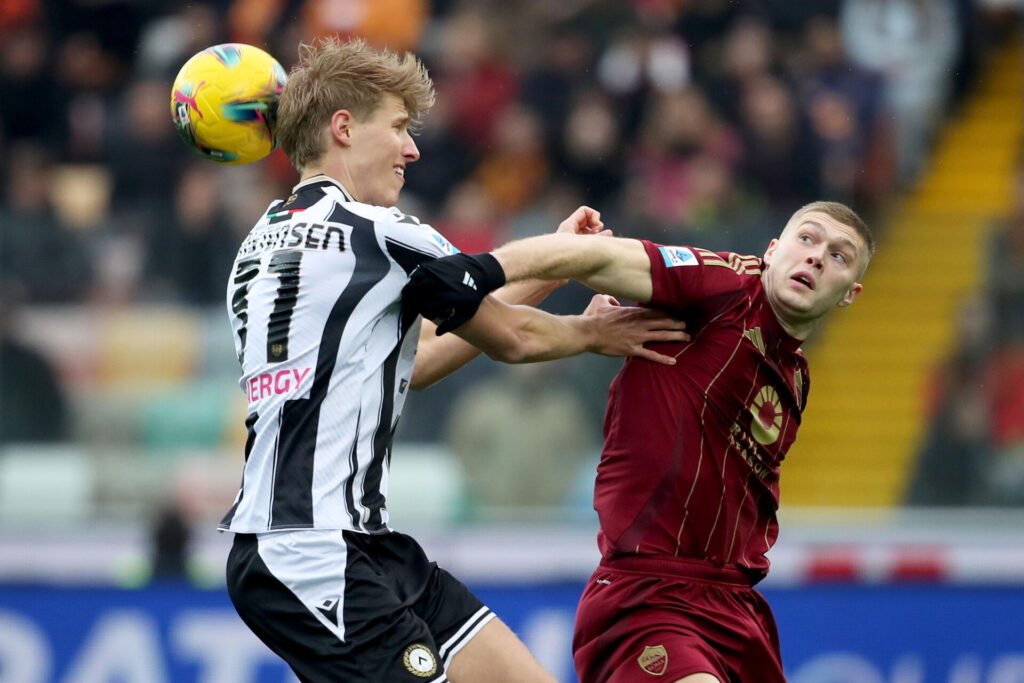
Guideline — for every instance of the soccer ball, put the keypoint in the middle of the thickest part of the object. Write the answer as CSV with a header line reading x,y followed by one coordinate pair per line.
x,y
224,100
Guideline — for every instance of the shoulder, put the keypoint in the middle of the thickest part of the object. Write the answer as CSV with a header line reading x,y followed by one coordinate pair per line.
x,y
722,269
377,214
407,239
742,265
671,256
685,275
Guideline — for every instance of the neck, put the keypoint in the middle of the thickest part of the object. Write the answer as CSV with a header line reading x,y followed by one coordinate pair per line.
x,y
801,330
307,174
332,168
798,329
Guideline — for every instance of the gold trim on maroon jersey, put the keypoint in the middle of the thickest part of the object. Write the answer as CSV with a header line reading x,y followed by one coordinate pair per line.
x,y
756,338
743,265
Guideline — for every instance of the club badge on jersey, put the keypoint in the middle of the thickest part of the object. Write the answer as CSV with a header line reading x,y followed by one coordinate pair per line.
x,y
419,660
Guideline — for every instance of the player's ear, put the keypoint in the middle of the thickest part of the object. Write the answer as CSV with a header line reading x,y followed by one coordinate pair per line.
x,y
851,295
341,127
769,251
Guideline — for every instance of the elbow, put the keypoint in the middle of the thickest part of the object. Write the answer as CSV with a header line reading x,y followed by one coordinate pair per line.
x,y
511,355
420,385
424,376
514,349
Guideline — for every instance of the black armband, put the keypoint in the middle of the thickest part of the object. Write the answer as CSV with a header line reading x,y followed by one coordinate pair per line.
x,y
449,290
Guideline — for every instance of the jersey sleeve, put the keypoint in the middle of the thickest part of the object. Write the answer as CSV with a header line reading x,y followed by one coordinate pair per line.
x,y
411,243
682,276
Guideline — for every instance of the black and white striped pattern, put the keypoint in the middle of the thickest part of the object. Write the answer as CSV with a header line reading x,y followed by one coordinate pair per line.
x,y
327,354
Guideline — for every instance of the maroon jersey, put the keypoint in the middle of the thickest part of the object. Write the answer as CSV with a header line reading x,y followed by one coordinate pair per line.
x,y
690,466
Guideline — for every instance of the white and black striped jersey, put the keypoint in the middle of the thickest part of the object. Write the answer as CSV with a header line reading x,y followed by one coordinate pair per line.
x,y
327,353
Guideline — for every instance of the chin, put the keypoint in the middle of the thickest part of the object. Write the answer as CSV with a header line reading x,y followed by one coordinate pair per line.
x,y
797,302
800,310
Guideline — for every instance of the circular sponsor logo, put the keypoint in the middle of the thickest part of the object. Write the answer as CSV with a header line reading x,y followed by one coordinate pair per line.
x,y
766,411
419,660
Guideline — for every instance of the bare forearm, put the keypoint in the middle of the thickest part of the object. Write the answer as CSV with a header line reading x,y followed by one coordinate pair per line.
x,y
528,335
438,357
520,334
560,337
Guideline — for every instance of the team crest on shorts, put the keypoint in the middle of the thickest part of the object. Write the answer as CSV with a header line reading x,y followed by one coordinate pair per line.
x,y
653,660
419,660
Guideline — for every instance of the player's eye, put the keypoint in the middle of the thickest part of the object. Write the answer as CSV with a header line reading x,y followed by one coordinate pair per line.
x,y
839,256
806,239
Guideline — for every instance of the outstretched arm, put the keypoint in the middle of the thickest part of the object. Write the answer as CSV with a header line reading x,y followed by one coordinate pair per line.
x,y
520,334
439,356
610,265
619,267
451,292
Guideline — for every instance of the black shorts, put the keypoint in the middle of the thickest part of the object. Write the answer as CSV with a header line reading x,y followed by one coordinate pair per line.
x,y
345,606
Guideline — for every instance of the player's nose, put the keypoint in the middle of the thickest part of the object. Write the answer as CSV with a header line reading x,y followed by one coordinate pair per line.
x,y
410,152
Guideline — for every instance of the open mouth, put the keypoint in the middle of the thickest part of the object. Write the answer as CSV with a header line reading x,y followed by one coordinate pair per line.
x,y
804,279
400,172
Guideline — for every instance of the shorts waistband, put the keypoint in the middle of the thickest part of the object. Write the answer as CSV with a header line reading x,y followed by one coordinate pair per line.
x,y
683,567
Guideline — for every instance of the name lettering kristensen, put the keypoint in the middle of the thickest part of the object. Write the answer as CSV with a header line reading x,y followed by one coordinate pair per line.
x,y
303,235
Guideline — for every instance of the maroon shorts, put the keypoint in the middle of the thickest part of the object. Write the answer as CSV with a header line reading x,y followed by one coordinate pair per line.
x,y
653,619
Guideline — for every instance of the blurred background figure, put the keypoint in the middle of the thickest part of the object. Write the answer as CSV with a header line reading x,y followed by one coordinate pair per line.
x,y
682,141
33,407
849,117
170,545
193,245
912,44
521,437
956,456
515,166
47,260
31,109
591,147
1006,277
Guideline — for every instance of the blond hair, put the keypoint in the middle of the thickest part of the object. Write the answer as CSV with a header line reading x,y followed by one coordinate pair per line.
x,y
843,214
334,74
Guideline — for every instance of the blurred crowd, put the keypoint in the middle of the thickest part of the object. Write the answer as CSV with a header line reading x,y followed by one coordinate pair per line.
x,y
699,121
686,121
973,453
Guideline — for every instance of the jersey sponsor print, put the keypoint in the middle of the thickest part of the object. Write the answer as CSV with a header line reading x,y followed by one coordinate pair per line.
x,y
326,351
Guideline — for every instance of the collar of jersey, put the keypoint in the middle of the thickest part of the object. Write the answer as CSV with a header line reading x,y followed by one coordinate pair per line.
x,y
322,180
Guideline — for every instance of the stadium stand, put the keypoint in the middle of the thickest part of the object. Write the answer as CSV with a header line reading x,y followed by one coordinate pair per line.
x,y
866,421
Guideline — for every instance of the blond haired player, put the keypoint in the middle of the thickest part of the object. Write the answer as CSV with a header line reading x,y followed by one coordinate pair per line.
x,y
327,342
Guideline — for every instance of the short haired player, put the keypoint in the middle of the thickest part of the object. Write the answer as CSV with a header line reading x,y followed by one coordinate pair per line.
x,y
327,342
688,483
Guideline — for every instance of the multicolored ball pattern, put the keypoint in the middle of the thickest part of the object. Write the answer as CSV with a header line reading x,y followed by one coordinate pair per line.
x,y
224,100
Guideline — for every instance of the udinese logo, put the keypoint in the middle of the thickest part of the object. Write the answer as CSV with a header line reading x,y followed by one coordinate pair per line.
x,y
419,660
